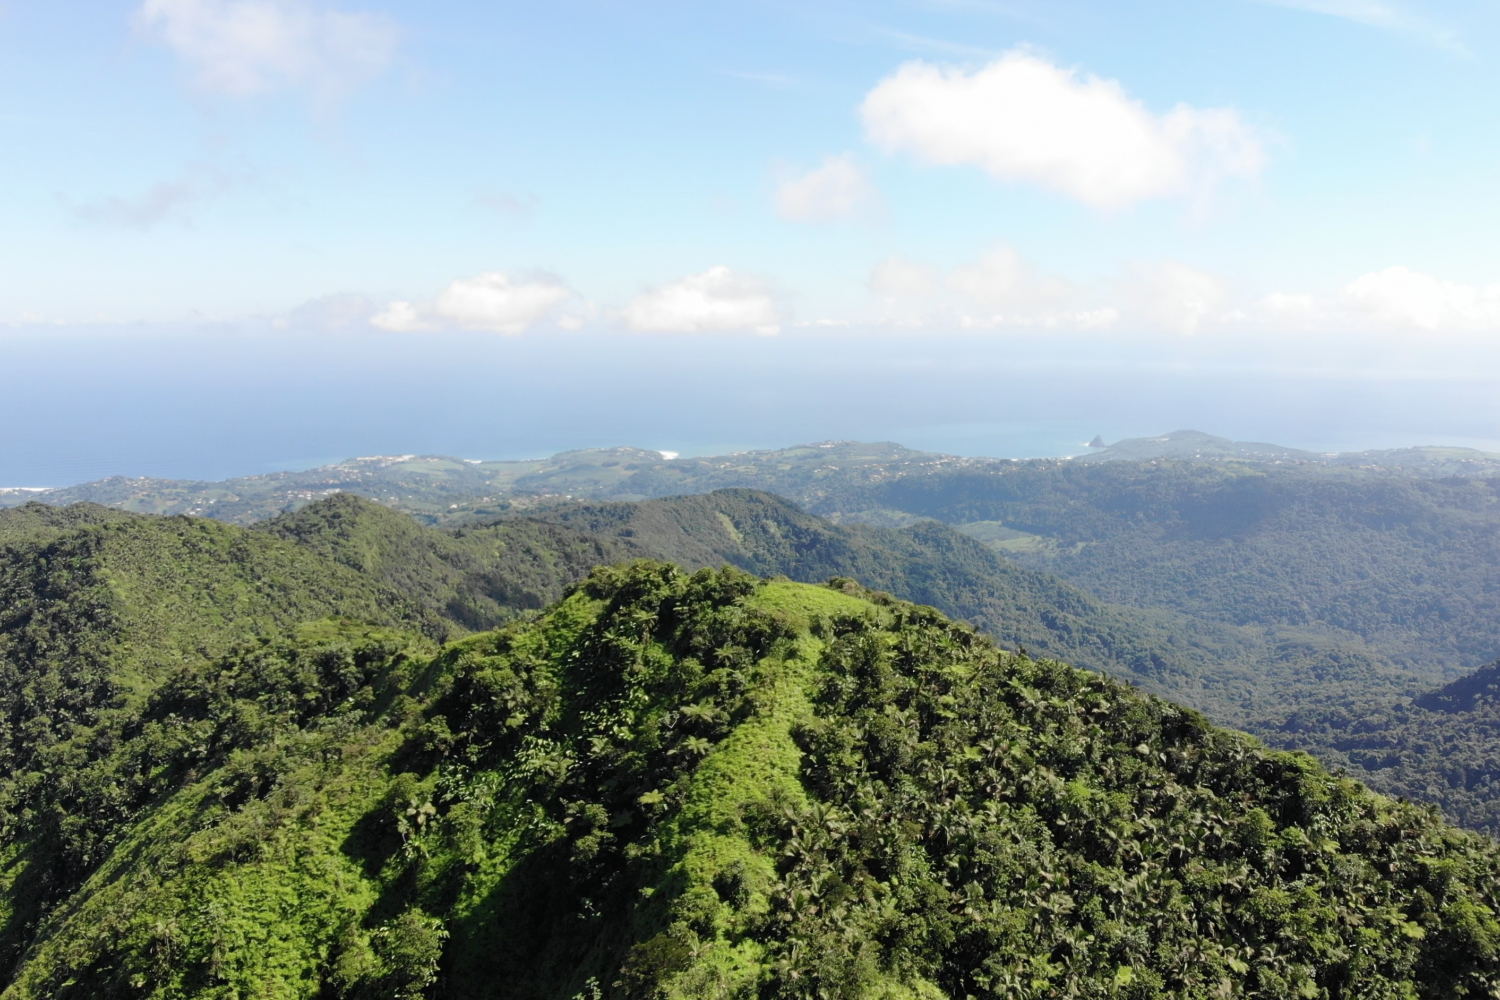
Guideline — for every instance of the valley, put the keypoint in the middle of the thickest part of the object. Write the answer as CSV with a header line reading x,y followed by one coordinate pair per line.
x,y
426,736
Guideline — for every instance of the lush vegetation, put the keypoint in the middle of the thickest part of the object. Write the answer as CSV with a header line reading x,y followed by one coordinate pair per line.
x,y
675,785
100,608
1442,747
1408,566
482,575
475,577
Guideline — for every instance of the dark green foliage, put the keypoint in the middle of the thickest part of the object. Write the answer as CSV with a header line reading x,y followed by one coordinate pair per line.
x,y
1410,566
1442,747
1074,839
928,563
707,785
691,784
479,577
98,610
96,607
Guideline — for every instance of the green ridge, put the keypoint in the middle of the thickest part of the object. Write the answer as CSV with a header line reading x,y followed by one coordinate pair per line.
x,y
711,785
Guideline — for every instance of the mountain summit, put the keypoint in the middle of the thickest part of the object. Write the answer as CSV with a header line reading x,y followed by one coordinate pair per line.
x,y
713,785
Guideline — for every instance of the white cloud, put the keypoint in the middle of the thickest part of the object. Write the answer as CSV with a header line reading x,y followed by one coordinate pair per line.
x,y
716,300
998,291
245,47
493,302
1402,298
401,317
905,289
331,312
1022,118
838,189
1002,282
1002,291
1179,298
1397,300
899,278
165,201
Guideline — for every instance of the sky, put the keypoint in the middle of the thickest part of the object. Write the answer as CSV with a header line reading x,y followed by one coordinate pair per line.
x,y
245,234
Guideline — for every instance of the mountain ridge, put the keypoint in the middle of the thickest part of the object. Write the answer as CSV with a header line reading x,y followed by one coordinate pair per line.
x,y
676,785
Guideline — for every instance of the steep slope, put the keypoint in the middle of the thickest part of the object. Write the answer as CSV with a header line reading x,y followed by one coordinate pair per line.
x,y
1374,565
715,786
483,575
97,609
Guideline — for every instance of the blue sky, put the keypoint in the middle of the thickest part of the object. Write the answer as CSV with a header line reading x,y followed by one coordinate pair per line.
x,y
239,158
1159,183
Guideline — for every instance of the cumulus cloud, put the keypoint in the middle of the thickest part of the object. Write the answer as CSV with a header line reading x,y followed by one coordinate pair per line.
x,y
491,302
1403,298
1021,118
1001,290
716,300
401,317
905,290
245,47
838,189
1179,298
331,312
1397,301
494,302
998,291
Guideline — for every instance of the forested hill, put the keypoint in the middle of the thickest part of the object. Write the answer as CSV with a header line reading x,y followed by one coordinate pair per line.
x,y
1394,567
376,564
712,785
1195,446
481,575
1441,747
1409,567
101,612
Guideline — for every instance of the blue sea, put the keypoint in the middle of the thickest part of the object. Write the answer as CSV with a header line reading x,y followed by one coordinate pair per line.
x,y
218,401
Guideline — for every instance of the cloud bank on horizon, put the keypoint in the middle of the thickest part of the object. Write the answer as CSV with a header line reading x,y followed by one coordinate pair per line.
x,y
1191,171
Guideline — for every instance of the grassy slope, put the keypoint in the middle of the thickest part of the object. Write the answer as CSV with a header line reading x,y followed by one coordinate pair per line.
x,y
97,609
716,787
